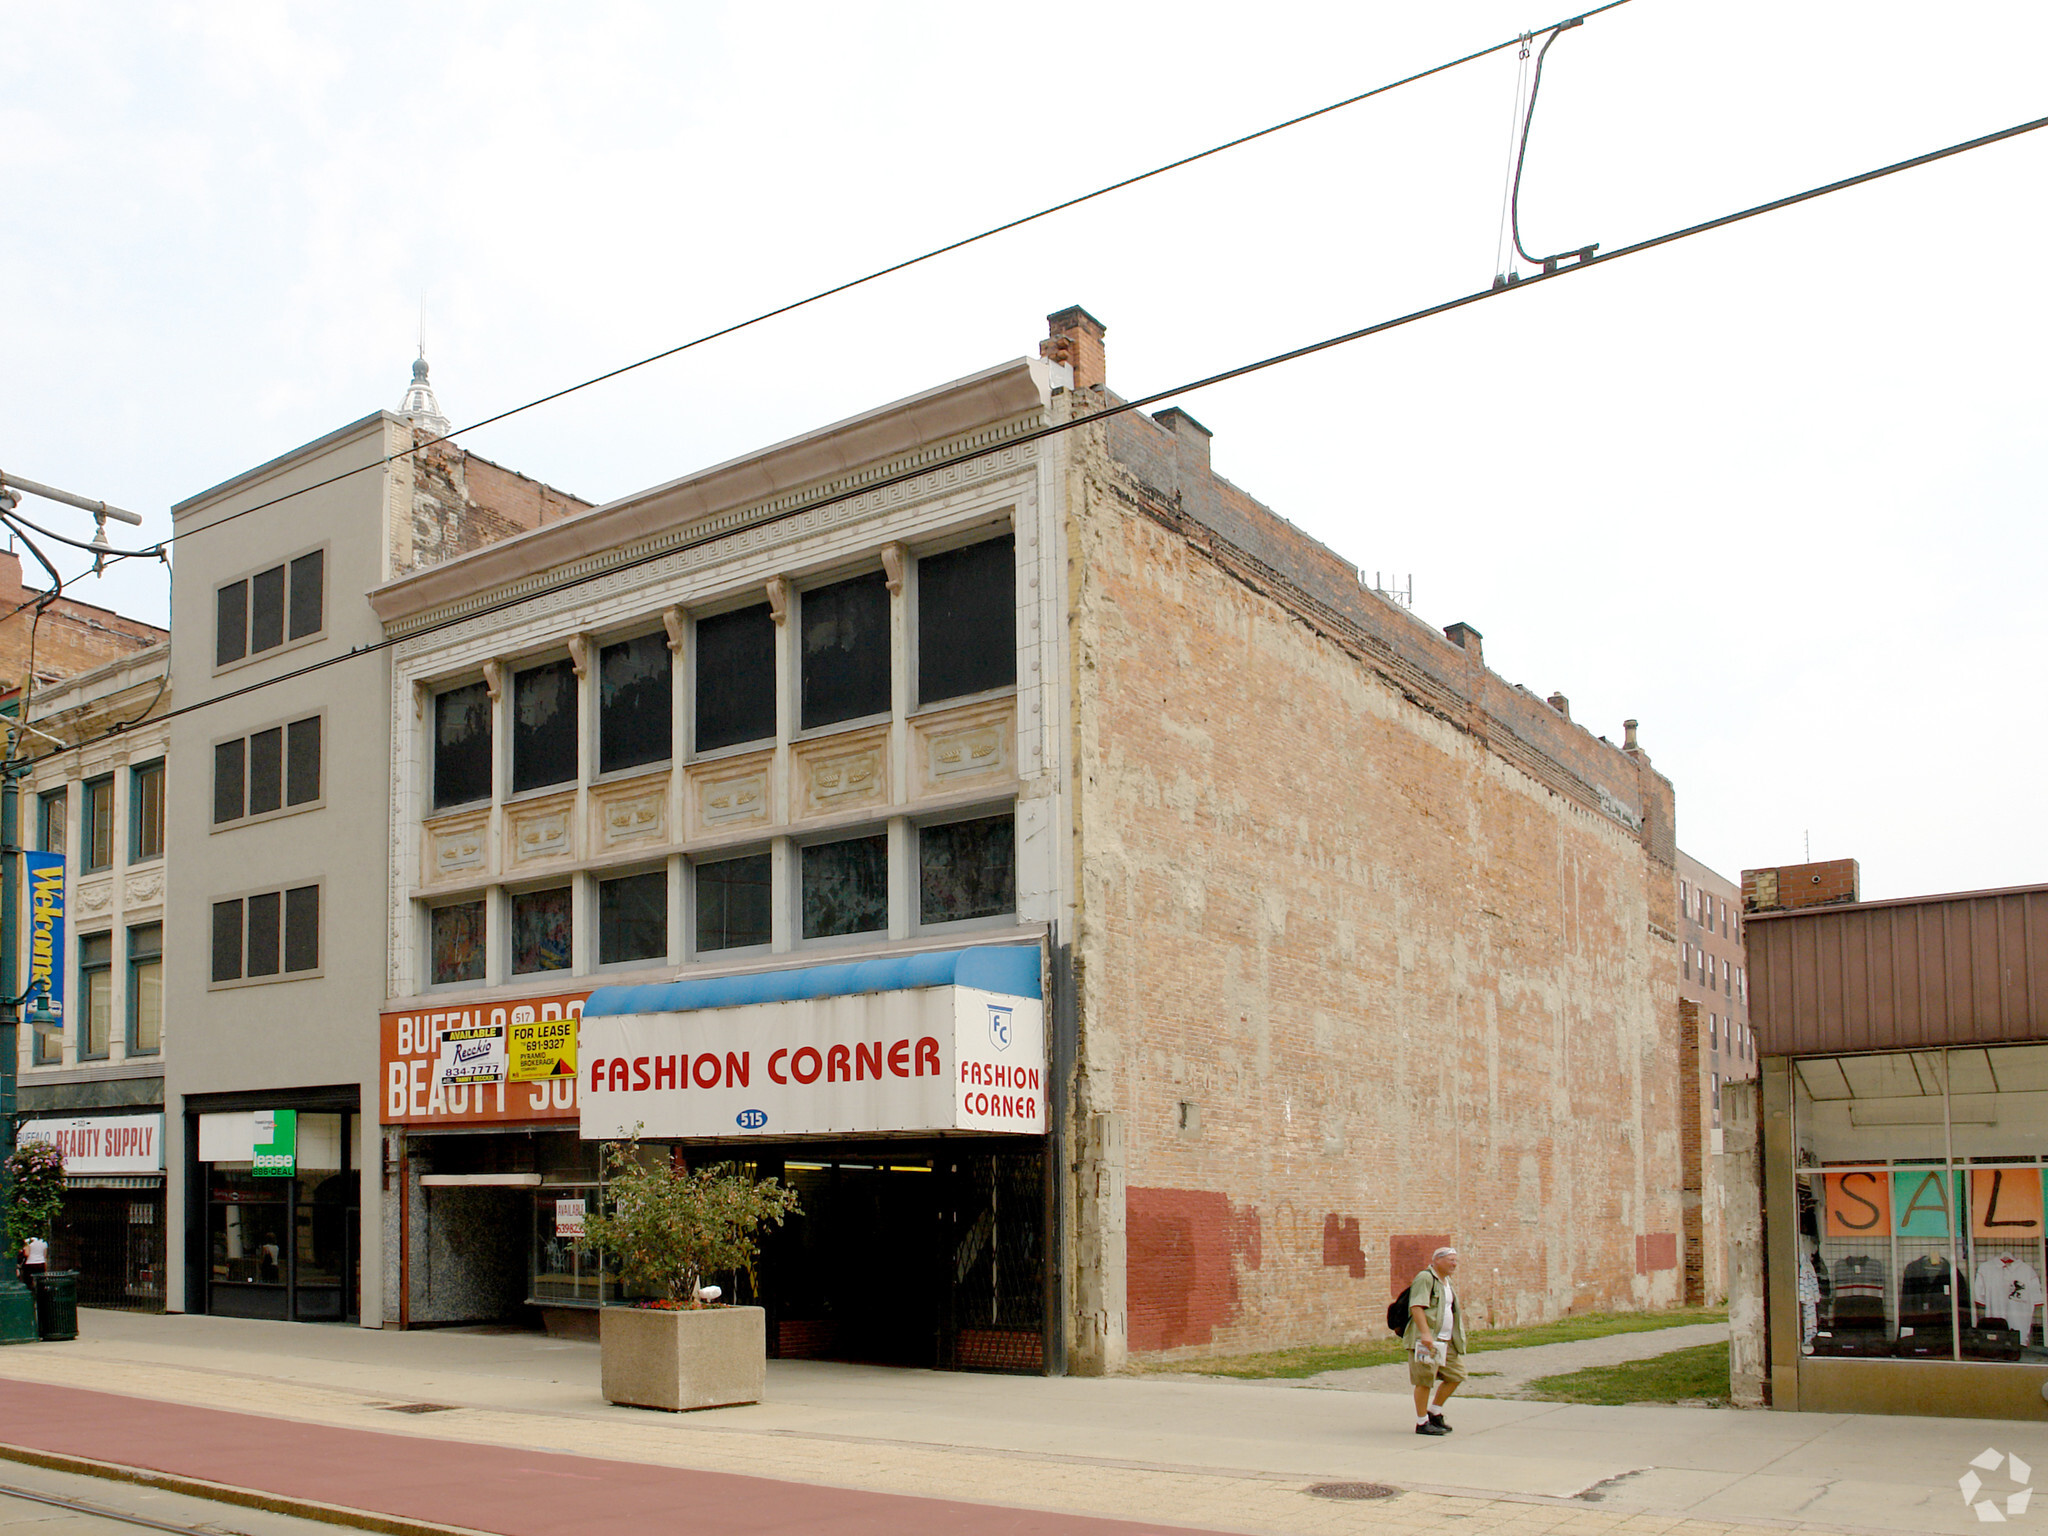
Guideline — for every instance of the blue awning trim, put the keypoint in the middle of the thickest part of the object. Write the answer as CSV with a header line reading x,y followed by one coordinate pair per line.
x,y
1009,969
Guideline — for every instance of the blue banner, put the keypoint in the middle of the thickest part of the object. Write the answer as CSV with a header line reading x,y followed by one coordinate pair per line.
x,y
45,873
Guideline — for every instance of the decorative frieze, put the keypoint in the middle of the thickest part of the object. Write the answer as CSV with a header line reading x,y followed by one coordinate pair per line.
x,y
840,773
93,896
144,888
732,792
537,831
632,811
457,847
956,748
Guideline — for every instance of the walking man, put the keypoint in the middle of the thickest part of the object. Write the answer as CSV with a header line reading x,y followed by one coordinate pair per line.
x,y
1436,1341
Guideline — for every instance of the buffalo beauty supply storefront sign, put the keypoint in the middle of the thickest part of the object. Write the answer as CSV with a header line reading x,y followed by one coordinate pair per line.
x,y
102,1144
924,1043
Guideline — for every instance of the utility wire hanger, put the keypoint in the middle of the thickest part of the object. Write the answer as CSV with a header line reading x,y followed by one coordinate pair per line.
x,y
1552,262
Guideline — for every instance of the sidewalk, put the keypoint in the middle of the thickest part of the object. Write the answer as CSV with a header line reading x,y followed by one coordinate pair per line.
x,y
1208,1454
1504,1372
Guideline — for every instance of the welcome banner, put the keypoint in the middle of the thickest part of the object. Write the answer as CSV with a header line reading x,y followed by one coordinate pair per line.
x,y
45,872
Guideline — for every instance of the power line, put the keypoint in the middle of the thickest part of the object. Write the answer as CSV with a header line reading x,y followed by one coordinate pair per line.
x,y
899,266
1038,434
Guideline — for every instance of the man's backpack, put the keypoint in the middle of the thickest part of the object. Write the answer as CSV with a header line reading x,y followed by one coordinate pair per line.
x,y
1397,1312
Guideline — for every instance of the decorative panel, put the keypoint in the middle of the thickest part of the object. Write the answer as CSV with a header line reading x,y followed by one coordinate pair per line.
x,y
145,888
539,830
634,811
730,793
93,896
842,772
458,847
960,748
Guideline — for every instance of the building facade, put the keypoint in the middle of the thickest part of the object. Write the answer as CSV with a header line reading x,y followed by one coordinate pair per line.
x,y
1301,940
1713,993
61,635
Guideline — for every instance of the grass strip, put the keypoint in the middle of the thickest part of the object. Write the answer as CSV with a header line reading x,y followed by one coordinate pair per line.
x,y
1684,1375
1313,1360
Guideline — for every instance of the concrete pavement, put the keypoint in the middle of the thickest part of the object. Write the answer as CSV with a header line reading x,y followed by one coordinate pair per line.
x,y
1210,1454
1504,1372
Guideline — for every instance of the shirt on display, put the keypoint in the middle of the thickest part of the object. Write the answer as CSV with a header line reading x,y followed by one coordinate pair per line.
x,y
2008,1288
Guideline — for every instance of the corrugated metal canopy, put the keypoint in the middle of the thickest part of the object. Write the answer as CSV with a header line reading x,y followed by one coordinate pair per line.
x,y
1967,969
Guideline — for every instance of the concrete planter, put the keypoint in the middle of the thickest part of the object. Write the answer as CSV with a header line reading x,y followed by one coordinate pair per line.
x,y
712,1358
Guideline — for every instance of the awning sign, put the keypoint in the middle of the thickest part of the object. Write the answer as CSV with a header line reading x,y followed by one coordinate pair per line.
x,y
102,1143
541,1048
937,1058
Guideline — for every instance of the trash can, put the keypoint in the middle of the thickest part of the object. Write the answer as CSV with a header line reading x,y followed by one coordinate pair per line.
x,y
57,1304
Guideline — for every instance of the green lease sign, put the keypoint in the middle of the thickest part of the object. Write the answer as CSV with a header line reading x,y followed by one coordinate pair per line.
x,y
277,1144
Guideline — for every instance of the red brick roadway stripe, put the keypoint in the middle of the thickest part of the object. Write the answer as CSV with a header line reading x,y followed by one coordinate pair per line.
x,y
483,1487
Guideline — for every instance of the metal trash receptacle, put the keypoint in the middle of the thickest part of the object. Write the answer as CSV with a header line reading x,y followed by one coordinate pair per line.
x,y
57,1304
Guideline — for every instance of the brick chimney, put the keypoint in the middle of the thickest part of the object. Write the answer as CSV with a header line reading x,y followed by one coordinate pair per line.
x,y
1193,436
1075,338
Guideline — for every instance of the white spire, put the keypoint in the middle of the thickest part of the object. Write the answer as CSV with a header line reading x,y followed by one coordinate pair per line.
x,y
420,407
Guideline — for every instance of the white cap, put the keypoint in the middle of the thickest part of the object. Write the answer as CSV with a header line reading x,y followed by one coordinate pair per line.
x,y
1443,1253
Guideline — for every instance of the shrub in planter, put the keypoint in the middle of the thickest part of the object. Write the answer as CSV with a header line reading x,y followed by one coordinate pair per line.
x,y
35,1179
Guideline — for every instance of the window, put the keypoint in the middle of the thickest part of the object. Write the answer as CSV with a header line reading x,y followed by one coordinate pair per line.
x,y
261,612
1717,1095
96,827
266,936
846,887
1685,894
735,678
146,811
846,650
544,725
1714,1030
967,620
146,990
543,930
455,941
95,995
733,903
635,703
967,869
267,771
50,809
632,918
1686,951
462,745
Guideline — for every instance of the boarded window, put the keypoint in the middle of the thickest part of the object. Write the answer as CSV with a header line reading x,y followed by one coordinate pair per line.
x,y
96,832
732,903
263,955
227,941
230,623
266,771
846,887
967,620
306,602
735,678
544,725
266,610
302,928
846,650
455,937
967,869
635,703
542,931
462,746
632,918
302,761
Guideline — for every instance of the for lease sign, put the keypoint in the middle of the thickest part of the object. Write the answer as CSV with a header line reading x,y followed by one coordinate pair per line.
x,y
924,1059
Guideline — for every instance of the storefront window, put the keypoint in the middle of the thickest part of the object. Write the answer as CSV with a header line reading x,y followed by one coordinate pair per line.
x,y
846,887
1920,1203
632,918
967,869
733,903
542,930
456,937
566,1270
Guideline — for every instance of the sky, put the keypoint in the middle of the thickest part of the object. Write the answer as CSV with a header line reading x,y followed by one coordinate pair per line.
x,y
1775,491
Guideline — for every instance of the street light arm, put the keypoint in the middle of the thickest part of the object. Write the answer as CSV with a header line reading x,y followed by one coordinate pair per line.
x,y
51,493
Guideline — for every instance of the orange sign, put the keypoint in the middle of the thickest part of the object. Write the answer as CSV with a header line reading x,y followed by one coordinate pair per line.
x,y
408,1044
1858,1204
2005,1202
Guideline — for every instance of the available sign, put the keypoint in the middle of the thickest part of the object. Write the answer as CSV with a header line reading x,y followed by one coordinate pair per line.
x,y
45,874
568,1218
410,1051
940,1058
276,1152
102,1144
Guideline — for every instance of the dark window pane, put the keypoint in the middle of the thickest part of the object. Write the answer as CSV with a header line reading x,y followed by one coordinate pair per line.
x,y
732,903
147,812
95,951
227,941
456,936
307,574
53,809
266,771
302,761
967,620
635,707
967,869
230,623
541,931
266,610
227,780
846,887
632,918
264,911
97,835
735,678
846,650
544,725
146,942
302,928
462,746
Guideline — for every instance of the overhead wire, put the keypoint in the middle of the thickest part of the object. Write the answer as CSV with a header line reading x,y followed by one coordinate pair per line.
x,y
869,487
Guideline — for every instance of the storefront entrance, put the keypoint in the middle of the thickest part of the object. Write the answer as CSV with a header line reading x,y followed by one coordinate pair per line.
x,y
284,1246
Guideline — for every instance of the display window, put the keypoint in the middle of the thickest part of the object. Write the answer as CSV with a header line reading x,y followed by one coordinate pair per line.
x,y
1919,1201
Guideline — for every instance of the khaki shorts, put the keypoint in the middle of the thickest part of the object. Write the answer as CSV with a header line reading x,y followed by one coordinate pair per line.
x,y
1452,1371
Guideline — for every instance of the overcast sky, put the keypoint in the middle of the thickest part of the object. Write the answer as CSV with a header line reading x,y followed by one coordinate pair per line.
x,y
1777,492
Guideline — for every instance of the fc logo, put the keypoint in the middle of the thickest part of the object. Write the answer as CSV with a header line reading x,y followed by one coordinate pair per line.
x,y
999,1026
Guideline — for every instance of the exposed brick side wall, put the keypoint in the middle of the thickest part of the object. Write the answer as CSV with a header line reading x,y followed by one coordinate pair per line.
x,y
1366,906
1785,887
73,637
460,502
1692,1120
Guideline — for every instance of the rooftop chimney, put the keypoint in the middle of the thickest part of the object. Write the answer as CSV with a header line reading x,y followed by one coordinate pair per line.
x,y
1561,704
1075,338
1465,637
1194,437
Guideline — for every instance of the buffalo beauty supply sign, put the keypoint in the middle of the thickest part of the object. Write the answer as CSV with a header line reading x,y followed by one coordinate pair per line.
x,y
102,1143
943,1058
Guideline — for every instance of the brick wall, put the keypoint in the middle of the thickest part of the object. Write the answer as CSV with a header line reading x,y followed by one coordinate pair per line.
x,y
1399,933
1783,887
459,502
72,637
1693,1116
